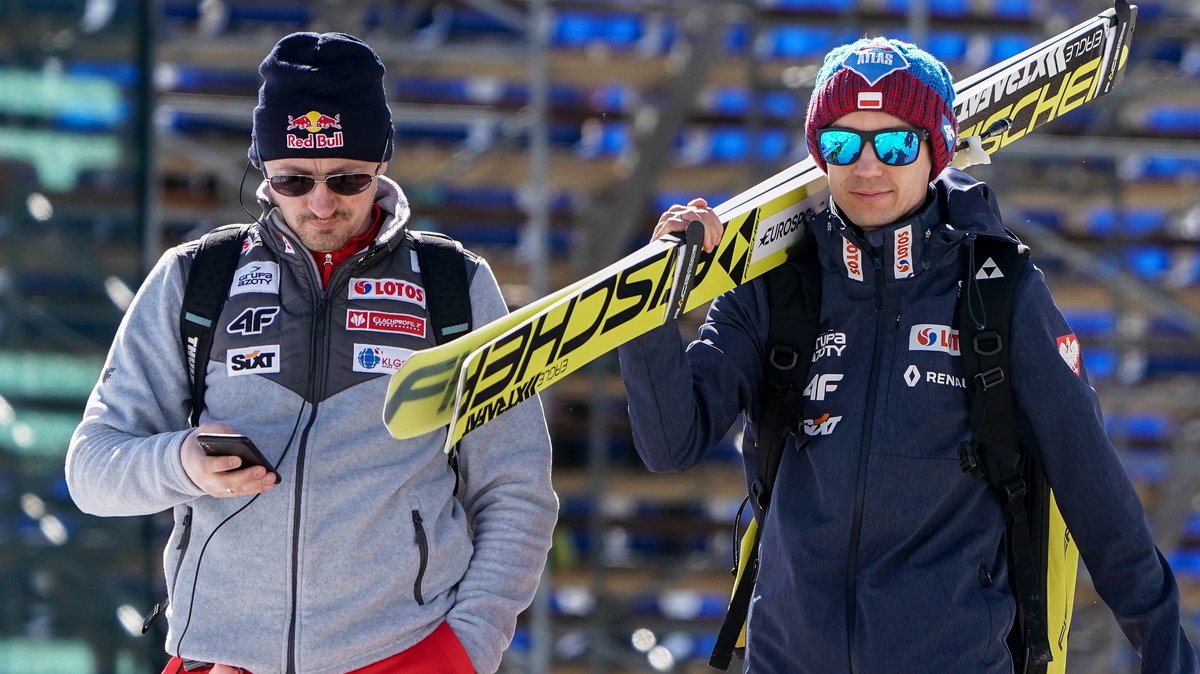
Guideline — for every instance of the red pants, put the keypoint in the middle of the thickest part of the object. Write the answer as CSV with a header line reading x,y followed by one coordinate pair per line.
x,y
439,653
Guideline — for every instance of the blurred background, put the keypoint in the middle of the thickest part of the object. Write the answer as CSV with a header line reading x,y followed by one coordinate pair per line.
x,y
547,135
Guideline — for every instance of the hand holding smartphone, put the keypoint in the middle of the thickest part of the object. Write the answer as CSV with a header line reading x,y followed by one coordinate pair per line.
x,y
232,444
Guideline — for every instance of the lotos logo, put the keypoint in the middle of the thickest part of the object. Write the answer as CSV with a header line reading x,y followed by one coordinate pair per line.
x,y
929,337
381,321
852,258
373,358
386,289
902,249
315,124
1068,348
253,360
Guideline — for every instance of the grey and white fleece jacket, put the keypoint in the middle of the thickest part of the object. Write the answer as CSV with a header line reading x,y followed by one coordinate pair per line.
x,y
362,550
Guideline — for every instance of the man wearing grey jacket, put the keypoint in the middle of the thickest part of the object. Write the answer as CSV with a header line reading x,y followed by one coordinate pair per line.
x,y
360,558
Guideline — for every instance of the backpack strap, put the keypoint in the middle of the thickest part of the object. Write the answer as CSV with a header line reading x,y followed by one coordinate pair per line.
x,y
447,288
991,271
211,272
794,300
447,297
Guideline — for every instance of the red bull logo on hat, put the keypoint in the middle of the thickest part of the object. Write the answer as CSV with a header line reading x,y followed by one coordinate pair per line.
x,y
315,123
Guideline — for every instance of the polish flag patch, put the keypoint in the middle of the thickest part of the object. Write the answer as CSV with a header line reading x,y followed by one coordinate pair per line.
x,y
1068,348
870,100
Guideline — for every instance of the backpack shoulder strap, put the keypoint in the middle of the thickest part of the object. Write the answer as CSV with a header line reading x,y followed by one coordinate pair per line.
x,y
447,288
794,302
991,271
208,280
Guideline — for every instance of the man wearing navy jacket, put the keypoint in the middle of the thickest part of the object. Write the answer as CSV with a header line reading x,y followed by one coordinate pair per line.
x,y
880,554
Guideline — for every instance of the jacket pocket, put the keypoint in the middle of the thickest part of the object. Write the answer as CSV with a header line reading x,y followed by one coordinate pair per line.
x,y
423,551
185,538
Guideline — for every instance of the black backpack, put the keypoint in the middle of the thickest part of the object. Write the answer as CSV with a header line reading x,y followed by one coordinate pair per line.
x,y
1042,575
447,294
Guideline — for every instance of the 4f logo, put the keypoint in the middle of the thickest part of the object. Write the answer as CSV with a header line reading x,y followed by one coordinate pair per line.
x,y
252,321
822,425
820,385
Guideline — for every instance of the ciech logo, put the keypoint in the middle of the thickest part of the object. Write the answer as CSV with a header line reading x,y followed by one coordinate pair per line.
x,y
253,360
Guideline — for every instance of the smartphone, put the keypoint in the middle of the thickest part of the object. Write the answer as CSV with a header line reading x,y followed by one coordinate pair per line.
x,y
231,444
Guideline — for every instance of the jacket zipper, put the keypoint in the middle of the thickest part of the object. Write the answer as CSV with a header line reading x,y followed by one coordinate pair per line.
x,y
860,481
184,539
319,368
423,549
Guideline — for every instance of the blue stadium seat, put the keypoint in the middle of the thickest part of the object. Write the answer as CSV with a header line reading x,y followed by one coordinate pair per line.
x,y
1173,120
1013,9
1090,323
948,47
1006,45
936,7
1133,222
1168,168
797,42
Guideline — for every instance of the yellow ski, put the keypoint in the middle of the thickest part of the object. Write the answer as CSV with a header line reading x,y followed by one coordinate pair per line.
x,y
468,382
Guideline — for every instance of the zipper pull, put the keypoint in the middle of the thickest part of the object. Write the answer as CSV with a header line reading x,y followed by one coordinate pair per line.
x,y
328,261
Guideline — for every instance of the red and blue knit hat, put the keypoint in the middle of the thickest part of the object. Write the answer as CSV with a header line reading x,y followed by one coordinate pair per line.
x,y
889,76
322,96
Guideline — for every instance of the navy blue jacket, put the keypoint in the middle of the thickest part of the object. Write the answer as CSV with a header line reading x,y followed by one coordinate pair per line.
x,y
880,554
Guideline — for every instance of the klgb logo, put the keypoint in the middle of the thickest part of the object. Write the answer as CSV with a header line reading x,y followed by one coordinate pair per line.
x,y
929,337
253,360
386,289
372,358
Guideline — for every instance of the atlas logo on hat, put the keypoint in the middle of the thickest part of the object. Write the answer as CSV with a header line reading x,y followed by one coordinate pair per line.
x,y
874,62
889,76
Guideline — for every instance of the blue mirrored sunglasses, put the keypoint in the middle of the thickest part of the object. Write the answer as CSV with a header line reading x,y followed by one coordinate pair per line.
x,y
894,147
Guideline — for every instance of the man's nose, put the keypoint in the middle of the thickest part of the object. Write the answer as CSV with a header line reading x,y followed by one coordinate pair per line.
x,y
868,164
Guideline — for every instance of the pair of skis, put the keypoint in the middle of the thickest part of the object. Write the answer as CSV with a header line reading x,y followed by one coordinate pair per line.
x,y
472,380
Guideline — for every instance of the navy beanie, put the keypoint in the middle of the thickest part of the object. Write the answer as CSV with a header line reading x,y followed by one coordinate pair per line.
x,y
322,96
890,76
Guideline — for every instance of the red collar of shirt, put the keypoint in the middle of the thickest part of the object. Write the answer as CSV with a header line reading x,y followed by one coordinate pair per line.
x,y
327,265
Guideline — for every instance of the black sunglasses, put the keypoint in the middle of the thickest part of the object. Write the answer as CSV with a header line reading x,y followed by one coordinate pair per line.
x,y
895,147
345,184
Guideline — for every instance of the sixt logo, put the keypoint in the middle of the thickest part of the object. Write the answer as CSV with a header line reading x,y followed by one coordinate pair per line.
x,y
875,62
315,124
822,425
852,258
253,360
902,259
386,289
929,337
